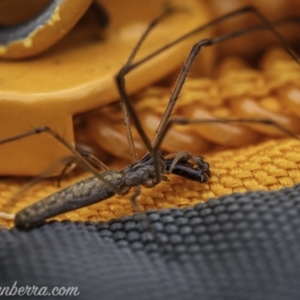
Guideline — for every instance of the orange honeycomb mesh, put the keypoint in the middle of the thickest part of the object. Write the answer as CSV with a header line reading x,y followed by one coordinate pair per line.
x,y
269,163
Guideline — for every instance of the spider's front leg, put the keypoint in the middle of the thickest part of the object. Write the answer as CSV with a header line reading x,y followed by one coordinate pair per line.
x,y
189,166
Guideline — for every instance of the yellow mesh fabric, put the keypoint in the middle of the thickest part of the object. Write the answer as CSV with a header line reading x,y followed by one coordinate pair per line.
x,y
271,164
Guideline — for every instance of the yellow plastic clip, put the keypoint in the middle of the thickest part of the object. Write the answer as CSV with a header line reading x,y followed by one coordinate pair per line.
x,y
77,74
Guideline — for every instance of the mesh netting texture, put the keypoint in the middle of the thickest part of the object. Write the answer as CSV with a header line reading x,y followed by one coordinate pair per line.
x,y
240,246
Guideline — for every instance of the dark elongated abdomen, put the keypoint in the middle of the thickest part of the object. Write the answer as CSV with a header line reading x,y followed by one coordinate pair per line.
x,y
81,194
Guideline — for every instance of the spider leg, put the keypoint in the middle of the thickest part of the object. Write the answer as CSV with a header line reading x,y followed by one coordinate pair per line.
x,y
120,78
185,121
183,75
124,98
178,163
61,140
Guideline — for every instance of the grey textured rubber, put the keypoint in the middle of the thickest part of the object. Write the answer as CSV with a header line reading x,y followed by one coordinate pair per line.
x,y
241,246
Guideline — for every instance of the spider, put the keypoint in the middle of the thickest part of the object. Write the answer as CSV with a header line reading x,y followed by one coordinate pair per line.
x,y
153,167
